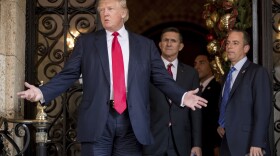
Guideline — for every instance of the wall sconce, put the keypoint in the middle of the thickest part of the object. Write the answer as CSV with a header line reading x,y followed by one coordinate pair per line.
x,y
278,25
71,39
276,28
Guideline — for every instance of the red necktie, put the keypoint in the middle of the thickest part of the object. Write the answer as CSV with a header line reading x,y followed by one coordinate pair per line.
x,y
118,76
169,69
169,66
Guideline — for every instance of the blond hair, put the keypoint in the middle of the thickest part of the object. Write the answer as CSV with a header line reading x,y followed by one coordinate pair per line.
x,y
123,5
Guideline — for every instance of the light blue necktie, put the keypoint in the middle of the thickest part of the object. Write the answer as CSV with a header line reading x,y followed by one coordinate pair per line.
x,y
223,105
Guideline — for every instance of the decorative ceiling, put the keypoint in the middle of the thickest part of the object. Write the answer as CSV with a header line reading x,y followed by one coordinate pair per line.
x,y
145,14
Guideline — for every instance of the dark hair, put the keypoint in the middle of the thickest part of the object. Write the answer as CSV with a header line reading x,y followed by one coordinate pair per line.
x,y
206,55
172,29
246,36
209,59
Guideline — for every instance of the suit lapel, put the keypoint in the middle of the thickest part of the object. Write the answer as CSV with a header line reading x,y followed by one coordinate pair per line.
x,y
209,85
101,43
239,77
180,74
133,61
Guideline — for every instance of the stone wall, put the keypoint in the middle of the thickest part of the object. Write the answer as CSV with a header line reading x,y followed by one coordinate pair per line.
x,y
12,58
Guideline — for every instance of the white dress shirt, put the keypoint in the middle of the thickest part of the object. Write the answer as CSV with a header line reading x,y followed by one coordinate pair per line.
x,y
174,66
124,43
206,82
237,67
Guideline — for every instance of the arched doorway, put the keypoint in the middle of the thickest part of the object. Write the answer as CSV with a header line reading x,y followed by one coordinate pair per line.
x,y
194,37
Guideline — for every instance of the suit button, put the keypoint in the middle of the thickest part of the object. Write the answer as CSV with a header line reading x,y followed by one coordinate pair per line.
x,y
169,124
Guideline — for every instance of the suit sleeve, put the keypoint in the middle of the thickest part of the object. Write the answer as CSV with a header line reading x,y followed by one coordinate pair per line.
x,y
262,93
64,79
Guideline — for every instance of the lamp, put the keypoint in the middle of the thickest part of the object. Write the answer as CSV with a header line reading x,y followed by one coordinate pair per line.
x,y
71,39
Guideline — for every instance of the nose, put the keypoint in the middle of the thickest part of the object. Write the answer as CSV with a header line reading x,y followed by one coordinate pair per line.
x,y
105,12
196,66
169,42
228,45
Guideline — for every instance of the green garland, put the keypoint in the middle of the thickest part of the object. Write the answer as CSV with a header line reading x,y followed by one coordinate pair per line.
x,y
222,16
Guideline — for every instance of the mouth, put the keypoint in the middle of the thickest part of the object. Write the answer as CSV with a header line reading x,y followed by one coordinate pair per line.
x,y
106,20
230,52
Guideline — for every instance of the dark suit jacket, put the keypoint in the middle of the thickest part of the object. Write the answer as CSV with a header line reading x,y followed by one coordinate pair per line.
x,y
248,110
186,124
90,58
210,116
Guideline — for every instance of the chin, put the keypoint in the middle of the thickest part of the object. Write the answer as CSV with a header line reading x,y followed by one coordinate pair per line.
x,y
230,57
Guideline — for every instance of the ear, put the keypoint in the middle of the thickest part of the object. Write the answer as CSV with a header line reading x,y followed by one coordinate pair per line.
x,y
246,48
124,13
181,46
160,44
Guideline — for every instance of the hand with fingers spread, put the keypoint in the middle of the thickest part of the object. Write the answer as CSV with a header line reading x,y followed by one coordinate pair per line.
x,y
193,101
32,94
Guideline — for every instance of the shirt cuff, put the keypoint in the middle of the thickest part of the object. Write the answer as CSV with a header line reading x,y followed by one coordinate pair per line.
x,y
182,100
42,101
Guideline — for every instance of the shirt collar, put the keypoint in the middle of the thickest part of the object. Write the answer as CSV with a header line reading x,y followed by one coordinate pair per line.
x,y
240,63
122,32
206,82
175,62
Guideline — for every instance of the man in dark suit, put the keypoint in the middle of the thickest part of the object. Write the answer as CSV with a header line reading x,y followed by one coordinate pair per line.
x,y
117,68
244,117
176,130
210,89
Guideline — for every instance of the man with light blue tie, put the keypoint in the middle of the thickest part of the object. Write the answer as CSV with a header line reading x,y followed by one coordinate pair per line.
x,y
245,105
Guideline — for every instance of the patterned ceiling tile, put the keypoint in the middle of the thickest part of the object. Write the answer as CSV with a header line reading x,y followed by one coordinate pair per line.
x,y
148,13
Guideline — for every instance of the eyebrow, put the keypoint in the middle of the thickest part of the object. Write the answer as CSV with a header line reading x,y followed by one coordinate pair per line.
x,y
234,41
169,39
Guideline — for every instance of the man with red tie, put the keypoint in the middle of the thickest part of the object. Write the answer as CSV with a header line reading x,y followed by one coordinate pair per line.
x,y
114,112
176,129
